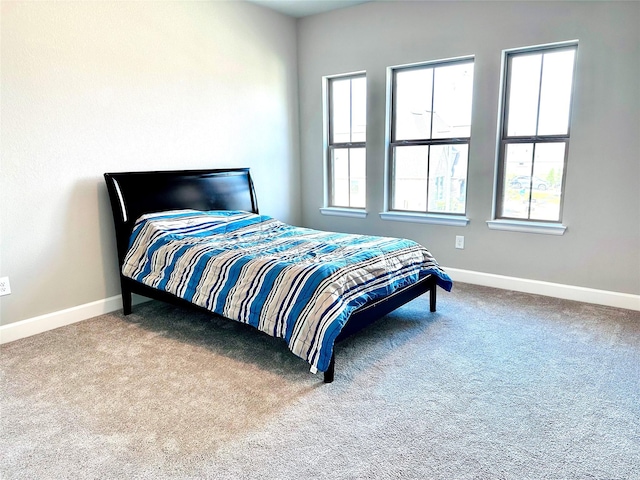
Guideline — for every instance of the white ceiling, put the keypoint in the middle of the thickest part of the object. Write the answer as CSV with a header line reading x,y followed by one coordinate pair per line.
x,y
303,8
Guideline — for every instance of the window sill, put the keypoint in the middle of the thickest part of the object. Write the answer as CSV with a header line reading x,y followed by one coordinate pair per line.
x,y
527,227
451,220
344,212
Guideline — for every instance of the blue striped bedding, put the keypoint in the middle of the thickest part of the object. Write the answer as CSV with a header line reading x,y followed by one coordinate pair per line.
x,y
289,282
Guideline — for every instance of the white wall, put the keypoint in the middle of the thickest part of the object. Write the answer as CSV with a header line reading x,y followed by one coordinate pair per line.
x,y
601,247
91,87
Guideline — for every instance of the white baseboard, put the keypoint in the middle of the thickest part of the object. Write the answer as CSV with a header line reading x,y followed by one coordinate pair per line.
x,y
50,321
558,290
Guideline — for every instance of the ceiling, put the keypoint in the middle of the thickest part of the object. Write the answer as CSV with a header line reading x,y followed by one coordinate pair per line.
x,y
303,8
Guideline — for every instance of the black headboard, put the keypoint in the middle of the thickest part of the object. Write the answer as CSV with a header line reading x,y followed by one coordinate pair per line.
x,y
133,194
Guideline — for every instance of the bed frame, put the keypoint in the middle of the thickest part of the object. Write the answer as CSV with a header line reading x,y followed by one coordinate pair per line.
x,y
133,194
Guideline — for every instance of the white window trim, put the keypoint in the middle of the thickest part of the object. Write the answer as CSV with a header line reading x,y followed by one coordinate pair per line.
x,y
434,219
527,226
344,212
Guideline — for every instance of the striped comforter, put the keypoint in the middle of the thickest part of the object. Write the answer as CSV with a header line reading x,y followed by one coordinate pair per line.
x,y
293,283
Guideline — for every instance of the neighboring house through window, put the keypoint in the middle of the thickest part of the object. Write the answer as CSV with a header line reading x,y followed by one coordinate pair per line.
x,y
429,133
345,141
534,129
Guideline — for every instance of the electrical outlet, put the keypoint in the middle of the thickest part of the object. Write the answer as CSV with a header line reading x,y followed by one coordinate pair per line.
x,y
5,288
459,241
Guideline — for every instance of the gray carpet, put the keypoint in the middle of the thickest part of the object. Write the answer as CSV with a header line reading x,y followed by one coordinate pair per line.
x,y
495,385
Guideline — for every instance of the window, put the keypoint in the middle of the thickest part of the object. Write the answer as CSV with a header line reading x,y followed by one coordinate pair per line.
x,y
429,136
345,139
534,132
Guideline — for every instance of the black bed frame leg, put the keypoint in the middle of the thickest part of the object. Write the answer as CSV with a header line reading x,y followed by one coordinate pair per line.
x,y
329,374
432,298
126,300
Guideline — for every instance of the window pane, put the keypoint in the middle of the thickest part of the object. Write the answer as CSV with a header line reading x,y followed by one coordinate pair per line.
x,y
358,184
359,109
412,108
448,178
517,180
346,122
452,99
524,86
349,177
340,111
410,178
555,95
340,169
539,86
548,166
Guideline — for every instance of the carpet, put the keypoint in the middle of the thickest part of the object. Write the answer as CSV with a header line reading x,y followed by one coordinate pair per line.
x,y
494,385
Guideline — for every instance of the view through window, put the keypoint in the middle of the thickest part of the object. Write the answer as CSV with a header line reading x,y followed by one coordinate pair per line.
x,y
347,129
534,141
430,134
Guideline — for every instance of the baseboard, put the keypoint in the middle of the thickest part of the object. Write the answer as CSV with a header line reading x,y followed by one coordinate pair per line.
x,y
558,290
50,321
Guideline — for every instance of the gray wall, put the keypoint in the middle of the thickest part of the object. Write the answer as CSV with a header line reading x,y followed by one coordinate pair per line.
x,y
91,87
601,247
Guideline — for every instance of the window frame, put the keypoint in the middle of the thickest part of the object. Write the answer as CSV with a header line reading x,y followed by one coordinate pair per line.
x,y
329,146
420,216
531,225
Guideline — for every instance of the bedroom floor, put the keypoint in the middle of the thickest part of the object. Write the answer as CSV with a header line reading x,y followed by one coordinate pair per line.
x,y
496,384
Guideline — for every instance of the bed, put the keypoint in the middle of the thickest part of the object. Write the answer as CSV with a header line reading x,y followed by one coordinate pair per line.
x,y
163,214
